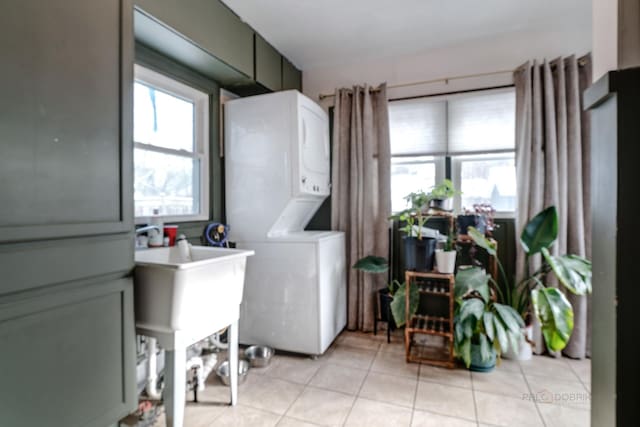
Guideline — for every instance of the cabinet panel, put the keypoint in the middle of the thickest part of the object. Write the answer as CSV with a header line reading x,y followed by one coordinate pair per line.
x,y
268,65
210,25
27,265
291,76
67,359
62,133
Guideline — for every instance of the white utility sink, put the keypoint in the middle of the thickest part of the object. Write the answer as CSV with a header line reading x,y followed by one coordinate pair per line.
x,y
180,303
173,295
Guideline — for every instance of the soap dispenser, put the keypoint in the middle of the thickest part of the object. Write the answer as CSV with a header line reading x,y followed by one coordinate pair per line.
x,y
184,248
156,237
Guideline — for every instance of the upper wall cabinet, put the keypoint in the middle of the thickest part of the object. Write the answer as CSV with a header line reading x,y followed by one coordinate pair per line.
x,y
291,76
65,119
268,65
210,25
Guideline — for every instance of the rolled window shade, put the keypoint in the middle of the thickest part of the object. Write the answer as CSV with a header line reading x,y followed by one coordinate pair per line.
x,y
418,127
482,122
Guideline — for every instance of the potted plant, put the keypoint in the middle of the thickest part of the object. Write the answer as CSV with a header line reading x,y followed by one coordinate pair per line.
x,y
483,328
441,195
418,249
446,257
392,297
531,295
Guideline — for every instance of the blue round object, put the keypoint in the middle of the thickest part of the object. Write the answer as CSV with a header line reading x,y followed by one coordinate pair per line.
x,y
216,234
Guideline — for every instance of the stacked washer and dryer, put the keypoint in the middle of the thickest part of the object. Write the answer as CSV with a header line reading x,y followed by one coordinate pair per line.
x,y
277,174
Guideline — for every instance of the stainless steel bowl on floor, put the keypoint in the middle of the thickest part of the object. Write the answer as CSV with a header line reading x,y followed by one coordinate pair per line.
x,y
223,371
259,356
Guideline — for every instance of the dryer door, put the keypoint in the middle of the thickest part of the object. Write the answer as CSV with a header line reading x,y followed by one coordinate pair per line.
x,y
314,151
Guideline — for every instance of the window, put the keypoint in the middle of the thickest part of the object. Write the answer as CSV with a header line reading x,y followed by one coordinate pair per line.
x,y
486,178
171,138
473,131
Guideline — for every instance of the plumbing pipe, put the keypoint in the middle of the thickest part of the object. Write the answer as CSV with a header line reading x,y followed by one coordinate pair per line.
x,y
215,340
209,362
152,374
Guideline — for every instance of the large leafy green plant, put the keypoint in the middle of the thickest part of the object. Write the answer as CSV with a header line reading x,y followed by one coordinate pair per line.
x,y
531,293
480,320
376,265
414,214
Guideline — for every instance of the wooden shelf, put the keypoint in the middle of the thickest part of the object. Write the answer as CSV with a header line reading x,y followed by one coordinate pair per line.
x,y
428,324
436,293
433,355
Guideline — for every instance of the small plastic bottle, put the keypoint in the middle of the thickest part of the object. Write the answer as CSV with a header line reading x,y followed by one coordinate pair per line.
x,y
183,248
156,237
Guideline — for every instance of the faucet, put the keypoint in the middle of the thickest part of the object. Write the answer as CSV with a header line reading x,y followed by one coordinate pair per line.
x,y
147,228
143,245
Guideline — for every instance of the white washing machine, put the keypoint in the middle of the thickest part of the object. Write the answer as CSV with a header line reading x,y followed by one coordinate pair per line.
x,y
277,171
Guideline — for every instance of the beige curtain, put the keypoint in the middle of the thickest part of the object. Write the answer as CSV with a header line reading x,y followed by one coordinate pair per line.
x,y
361,200
552,165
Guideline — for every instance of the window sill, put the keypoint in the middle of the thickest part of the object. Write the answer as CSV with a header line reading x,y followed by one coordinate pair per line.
x,y
174,219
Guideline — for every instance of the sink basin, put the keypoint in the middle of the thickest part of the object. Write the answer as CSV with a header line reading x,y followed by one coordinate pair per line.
x,y
174,295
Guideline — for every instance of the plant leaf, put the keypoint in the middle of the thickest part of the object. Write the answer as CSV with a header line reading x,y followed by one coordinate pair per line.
x,y
488,325
540,232
464,351
472,307
469,326
372,264
572,271
480,240
514,340
501,334
485,348
472,279
398,305
509,317
555,314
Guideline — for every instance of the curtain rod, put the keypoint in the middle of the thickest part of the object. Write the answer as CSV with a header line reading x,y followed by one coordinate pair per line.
x,y
581,62
424,82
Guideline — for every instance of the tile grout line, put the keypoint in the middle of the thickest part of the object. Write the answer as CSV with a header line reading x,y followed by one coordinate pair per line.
x,y
535,401
415,394
357,395
580,377
473,396
304,387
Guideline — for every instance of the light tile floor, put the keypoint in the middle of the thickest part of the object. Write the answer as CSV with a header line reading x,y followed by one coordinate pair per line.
x,y
363,381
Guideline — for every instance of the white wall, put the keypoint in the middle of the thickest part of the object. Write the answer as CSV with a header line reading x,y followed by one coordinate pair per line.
x,y
605,36
505,52
616,35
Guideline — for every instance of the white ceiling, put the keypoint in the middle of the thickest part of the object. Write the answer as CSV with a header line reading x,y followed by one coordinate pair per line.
x,y
315,33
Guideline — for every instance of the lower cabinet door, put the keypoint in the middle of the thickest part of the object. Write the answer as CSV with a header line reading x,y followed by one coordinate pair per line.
x,y
68,358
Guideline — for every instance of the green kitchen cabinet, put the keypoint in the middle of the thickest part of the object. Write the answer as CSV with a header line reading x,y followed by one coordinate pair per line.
x,y
291,76
210,25
66,357
268,65
67,338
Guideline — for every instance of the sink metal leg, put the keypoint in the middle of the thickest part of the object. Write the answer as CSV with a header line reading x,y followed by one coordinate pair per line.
x,y
175,386
233,361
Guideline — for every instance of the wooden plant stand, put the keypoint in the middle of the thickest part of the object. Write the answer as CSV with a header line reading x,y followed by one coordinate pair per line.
x,y
426,324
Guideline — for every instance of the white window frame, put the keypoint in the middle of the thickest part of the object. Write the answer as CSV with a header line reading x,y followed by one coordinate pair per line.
x,y
456,177
200,101
438,161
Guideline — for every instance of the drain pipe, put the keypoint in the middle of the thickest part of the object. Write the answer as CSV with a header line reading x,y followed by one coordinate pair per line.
x,y
152,374
215,340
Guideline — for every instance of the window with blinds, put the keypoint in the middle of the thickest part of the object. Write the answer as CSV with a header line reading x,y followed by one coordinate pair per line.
x,y
475,130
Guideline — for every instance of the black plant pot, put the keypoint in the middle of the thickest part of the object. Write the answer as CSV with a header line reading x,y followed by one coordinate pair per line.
x,y
418,254
466,221
384,300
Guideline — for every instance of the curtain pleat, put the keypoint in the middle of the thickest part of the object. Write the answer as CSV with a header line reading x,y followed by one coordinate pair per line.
x,y
361,200
552,166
